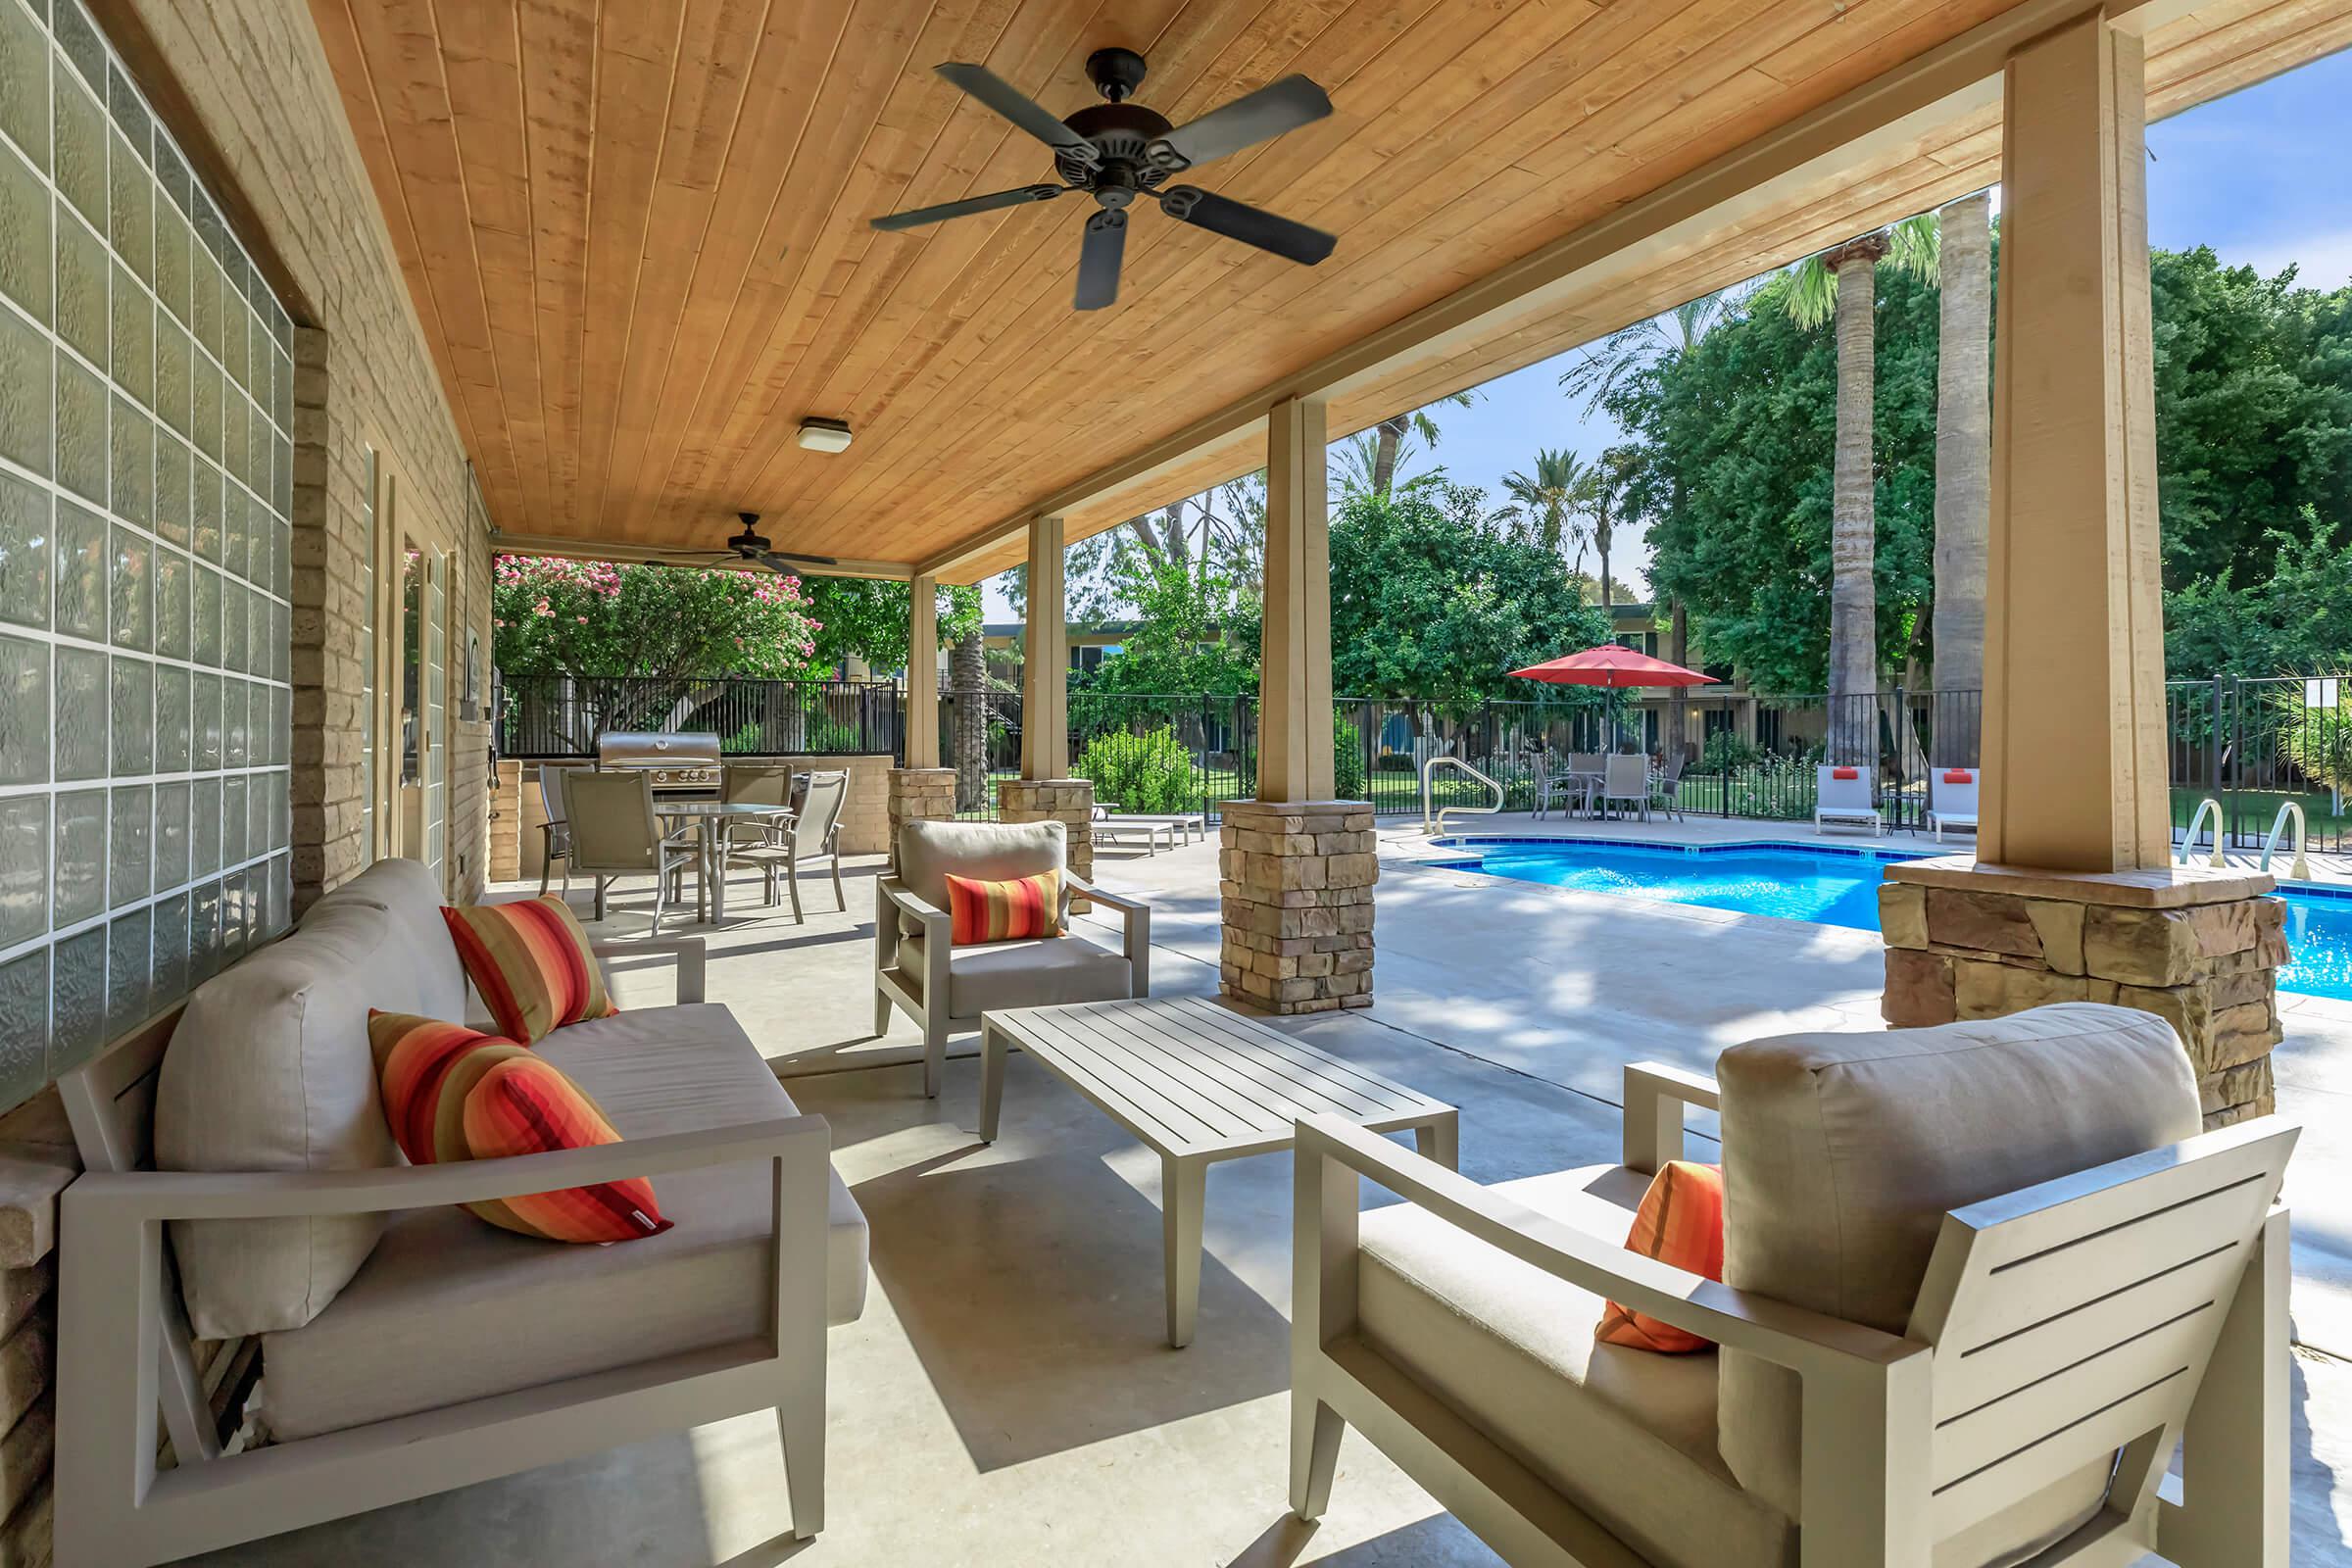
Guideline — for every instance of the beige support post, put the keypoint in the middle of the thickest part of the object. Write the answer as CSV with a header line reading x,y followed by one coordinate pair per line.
x,y
2074,638
922,672
1294,746
1046,660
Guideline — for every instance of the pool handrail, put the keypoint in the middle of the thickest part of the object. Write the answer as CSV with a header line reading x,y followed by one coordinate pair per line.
x,y
2300,868
2188,840
1436,827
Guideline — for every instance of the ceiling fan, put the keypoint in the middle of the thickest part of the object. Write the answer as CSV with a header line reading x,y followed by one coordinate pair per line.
x,y
751,546
1117,151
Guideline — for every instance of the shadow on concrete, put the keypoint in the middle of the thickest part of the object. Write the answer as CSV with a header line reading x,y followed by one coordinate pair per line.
x,y
1439,1540
1028,1278
2316,1531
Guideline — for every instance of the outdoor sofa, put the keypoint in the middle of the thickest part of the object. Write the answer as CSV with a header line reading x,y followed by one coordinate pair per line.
x,y
944,988
408,1346
1979,1280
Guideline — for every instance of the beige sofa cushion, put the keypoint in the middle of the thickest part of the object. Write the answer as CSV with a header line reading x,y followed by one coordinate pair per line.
x,y
1040,972
1842,1153
268,1070
450,1310
1628,1435
407,890
991,851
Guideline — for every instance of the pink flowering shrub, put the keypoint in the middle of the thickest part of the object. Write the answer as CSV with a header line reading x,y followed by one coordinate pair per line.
x,y
594,617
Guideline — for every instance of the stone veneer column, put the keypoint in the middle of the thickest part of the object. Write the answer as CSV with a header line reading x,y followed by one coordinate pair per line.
x,y
1068,800
2201,950
1296,882
919,795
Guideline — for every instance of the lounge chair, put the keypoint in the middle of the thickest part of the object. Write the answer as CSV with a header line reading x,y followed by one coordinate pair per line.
x,y
1979,1280
1951,799
1846,795
1122,828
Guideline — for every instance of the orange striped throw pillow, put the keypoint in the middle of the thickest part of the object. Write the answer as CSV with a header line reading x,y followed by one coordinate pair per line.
x,y
415,1058
530,962
1679,1222
519,1103
1005,912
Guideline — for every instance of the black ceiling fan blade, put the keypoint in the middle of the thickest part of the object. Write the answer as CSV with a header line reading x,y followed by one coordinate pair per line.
x,y
1251,225
916,216
1019,108
1099,259
785,566
1248,119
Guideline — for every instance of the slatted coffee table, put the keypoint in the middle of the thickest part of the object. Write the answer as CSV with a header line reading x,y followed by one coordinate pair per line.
x,y
1199,1083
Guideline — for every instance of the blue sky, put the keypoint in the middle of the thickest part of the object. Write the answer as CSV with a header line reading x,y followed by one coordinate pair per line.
x,y
2258,175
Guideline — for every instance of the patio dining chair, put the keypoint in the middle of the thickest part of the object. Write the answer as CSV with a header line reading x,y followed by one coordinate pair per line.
x,y
615,834
1978,1281
1576,777
555,834
1625,782
813,833
1665,788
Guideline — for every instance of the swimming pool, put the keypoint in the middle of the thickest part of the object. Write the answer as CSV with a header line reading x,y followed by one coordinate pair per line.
x,y
1836,885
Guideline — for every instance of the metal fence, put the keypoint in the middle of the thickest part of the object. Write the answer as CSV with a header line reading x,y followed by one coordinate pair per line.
x,y
560,715
2256,744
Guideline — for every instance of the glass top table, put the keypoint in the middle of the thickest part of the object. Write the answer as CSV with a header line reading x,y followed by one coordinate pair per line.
x,y
710,847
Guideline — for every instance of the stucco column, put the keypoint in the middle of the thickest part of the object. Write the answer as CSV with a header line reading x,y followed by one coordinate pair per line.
x,y
919,789
2072,895
1297,868
1044,791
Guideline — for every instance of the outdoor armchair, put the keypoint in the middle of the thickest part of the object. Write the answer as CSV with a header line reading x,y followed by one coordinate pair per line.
x,y
1919,1360
944,988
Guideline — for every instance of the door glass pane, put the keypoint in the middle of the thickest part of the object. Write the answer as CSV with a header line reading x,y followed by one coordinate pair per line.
x,y
436,715
412,649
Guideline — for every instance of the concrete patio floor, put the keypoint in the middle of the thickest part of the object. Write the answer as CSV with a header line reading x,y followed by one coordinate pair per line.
x,y
1008,1398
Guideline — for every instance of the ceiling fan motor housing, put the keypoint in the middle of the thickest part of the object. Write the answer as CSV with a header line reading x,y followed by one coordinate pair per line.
x,y
1122,134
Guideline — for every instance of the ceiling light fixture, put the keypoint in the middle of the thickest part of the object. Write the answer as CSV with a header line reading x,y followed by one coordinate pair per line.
x,y
825,435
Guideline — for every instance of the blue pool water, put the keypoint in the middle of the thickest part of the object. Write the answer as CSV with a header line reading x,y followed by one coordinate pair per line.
x,y
1838,887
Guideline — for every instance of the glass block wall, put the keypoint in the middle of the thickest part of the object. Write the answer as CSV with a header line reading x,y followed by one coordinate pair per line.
x,y
146,470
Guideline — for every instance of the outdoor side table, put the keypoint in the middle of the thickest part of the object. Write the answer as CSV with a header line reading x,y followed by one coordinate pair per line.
x,y
1197,1083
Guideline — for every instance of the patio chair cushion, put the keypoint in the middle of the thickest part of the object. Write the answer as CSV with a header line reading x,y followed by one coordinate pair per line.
x,y
450,1310
1626,1435
1040,972
530,960
268,1070
1842,1153
988,851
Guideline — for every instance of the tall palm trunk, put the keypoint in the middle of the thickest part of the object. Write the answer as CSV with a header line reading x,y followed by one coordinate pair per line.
x,y
1853,526
967,673
1602,526
1678,651
1963,473
1387,439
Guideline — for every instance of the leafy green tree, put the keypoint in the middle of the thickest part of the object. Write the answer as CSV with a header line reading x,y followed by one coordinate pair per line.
x,y
2291,615
865,619
1430,600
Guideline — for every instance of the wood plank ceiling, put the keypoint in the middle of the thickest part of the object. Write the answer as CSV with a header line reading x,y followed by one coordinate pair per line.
x,y
636,234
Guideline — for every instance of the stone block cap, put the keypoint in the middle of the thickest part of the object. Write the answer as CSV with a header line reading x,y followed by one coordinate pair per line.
x,y
2173,887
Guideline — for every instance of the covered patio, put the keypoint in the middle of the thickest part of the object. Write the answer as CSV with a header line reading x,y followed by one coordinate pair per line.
x,y
602,282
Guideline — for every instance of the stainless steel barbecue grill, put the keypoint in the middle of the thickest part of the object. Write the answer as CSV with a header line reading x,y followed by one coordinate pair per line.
x,y
679,764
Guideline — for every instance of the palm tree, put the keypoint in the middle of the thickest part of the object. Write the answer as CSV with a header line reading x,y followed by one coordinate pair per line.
x,y
1355,467
1550,506
1604,484
1842,281
1389,435
1963,468
1607,365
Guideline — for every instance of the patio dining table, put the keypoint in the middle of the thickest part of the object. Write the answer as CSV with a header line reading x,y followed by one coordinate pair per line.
x,y
714,817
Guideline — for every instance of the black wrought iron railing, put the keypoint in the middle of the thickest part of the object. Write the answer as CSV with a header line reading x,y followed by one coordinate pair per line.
x,y
562,715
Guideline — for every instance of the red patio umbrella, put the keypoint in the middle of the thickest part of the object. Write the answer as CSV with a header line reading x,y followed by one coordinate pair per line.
x,y
1613,665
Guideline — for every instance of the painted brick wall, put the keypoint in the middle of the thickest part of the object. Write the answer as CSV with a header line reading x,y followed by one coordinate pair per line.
x,y
254,80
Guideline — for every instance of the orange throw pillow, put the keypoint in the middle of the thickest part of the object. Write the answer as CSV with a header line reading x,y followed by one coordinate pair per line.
x,y
456,1094
530,962
415,1060
1005,912
1679,1222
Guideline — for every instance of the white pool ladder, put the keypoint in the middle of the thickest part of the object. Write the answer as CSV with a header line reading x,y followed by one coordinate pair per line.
x,y
1435,826
2188,841
2288,811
